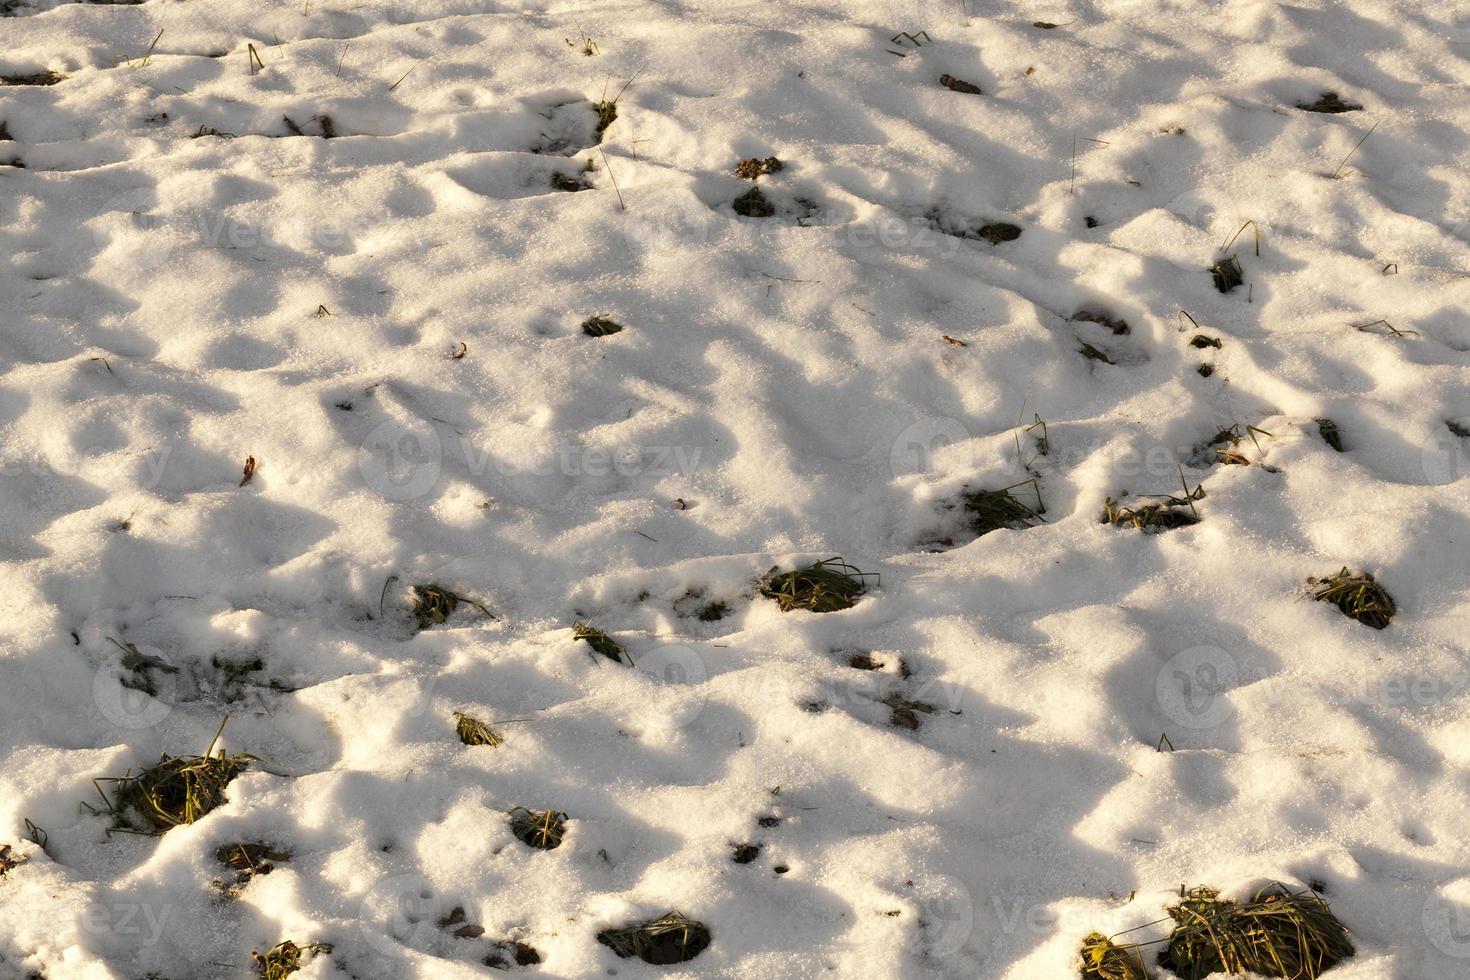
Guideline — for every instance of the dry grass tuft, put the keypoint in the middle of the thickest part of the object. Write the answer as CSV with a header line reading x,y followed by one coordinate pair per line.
x,y
541,829
1102,959
671,938
177,791
472,731
285,959
1357,595
992,510
600,642
1277,933
827,586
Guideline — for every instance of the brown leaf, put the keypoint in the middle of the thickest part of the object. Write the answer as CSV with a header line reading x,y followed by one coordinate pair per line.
x,y
249,470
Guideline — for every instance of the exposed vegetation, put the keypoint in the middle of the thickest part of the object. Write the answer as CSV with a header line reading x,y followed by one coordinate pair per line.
x,y
1357,595
541,829
1277,933
671,938
177,791
825,586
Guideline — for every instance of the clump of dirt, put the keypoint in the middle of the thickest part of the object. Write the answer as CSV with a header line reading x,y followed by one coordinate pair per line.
x,y
523,954
745,853
1117,325
755,168
999,231
35,78
671,938
8,863
959,85
433,605
903,711
1227,274
1330,434
565,182
861,660
1201,341
248,860
1329,102
753,204
601,326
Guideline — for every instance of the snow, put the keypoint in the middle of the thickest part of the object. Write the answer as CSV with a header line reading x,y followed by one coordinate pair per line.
x,y
821,382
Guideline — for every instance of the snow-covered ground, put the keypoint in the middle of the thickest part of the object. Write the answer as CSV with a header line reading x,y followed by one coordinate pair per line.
x,y
389,323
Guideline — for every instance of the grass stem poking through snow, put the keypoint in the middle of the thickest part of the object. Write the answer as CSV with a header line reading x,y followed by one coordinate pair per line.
x,y
543,829
1277,933
826,586
285,959
600,642
607,110
671,938
1102,959
252,58
1357,595
472,731
1345,159
177,791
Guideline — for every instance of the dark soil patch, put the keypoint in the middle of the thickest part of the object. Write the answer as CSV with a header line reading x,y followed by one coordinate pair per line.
x,y
563,182
1227,274
522,954
1117,325
1201,341
753,204
745,853
38,78
1330,434
1093,354
1329,102
864,661
959,85
601,326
